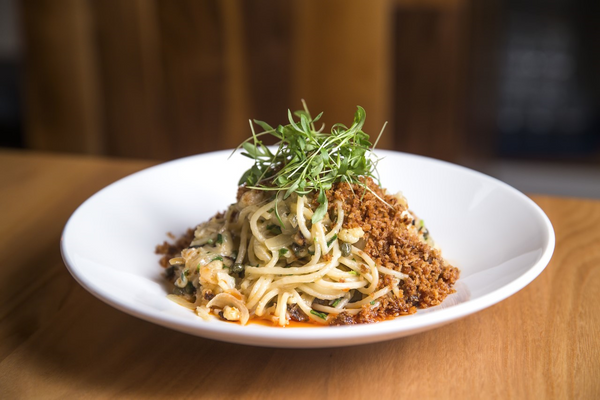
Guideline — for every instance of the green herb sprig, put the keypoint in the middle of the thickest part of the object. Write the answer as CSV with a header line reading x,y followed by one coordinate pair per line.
x,y
308,160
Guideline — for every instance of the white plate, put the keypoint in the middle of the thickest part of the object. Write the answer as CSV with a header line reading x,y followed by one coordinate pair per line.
x,y
499,238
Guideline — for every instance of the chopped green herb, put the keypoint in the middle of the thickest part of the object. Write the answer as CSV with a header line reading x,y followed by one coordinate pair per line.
x,y
309,160
331,240
336,302
217,258
283,251
353,272
319,314
372,303
210,241
219,239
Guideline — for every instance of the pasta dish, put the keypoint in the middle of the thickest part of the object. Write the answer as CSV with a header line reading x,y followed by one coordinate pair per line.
x,y
320,246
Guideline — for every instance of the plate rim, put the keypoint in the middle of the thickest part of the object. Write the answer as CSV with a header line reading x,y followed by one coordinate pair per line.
x,y
316,337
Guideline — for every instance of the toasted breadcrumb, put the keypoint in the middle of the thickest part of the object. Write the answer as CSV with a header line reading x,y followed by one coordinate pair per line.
x,y
390,243
170,250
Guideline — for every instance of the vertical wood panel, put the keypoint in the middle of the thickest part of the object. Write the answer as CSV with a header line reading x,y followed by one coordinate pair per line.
x,y
132,78
194,74
62,96
235,125
429,94
268,32
341,59
165,79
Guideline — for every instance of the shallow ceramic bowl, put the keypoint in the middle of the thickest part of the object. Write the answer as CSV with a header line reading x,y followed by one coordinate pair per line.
x,y
498,237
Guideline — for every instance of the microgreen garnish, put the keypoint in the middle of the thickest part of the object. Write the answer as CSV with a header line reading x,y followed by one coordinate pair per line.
x,y
308,160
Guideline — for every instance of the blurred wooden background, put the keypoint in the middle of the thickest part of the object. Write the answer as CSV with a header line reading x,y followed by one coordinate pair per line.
x,y
163,79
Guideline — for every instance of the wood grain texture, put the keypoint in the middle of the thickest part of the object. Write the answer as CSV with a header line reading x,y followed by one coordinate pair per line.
x,y
58,341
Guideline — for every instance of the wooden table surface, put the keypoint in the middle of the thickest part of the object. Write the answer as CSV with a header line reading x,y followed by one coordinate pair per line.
x,y
58,341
